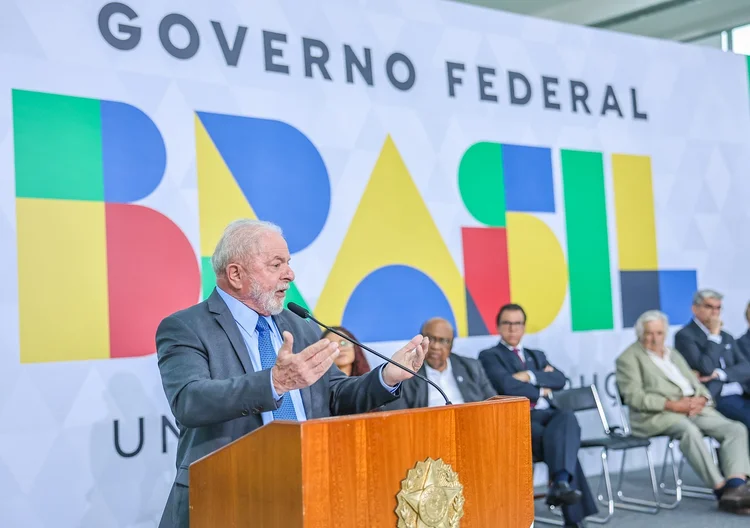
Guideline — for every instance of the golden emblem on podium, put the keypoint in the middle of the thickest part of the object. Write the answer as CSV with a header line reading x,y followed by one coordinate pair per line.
x,y
431,497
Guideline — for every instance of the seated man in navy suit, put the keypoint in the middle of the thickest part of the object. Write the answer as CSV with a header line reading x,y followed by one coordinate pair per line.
x,y
714,355
462,379
744,341
555,434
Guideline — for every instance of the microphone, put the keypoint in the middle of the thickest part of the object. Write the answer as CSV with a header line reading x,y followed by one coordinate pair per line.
x,y
299,311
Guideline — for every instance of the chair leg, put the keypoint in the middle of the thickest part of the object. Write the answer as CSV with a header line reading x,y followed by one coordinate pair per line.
x,y
695,492
631,503
610,502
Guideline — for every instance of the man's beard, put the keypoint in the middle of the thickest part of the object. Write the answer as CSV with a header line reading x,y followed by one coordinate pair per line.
x,y
267,301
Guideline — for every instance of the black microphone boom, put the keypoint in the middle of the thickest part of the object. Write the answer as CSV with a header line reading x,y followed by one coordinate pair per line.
x,y
299,311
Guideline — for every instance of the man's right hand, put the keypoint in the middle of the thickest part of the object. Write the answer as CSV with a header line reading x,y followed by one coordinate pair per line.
x,y
522,376
297,371
714,326
681,406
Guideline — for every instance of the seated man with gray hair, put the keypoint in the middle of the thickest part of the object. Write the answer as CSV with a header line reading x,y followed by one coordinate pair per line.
x,y
715,356
666,398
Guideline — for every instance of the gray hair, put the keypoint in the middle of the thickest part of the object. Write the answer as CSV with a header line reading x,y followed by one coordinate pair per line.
x,y
239,240
702,295
649,317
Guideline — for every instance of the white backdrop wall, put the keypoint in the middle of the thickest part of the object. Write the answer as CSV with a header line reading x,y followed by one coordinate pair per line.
x,y
423,157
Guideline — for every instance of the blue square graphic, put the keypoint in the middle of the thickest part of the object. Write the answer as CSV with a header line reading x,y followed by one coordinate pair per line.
x,y
527,173
676,289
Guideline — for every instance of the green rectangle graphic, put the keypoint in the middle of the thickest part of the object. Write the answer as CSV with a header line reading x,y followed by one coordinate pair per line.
x,y
588,241
58,146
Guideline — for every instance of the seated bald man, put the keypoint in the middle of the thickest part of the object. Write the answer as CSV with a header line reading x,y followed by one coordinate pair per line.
x,y
462,379
238,360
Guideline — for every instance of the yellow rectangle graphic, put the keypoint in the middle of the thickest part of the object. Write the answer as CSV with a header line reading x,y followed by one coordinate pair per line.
x,y
634,209
62,280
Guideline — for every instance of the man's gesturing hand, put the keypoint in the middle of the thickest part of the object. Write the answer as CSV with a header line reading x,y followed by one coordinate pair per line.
x,y
411,356
297,371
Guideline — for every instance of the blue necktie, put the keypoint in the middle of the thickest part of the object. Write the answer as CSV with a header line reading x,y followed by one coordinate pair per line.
x,y
267,360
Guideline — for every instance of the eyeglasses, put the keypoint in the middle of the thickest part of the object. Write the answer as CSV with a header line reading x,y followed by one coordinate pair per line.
x,y
443,341
512,324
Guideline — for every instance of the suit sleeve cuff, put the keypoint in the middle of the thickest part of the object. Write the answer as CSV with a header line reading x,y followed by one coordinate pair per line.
x,y
390,389
273,389
722,374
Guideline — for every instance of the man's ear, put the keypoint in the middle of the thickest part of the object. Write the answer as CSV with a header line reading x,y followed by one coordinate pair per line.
x,y
234,275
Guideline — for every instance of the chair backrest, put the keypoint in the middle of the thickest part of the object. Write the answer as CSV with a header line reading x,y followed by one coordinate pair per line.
x,y
624,418
582,399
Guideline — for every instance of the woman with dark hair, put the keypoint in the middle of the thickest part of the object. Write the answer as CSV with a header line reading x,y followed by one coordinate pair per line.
x,y
351,360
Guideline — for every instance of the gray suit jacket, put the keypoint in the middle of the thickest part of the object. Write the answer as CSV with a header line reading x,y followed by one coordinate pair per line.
x,y
470,377
216,397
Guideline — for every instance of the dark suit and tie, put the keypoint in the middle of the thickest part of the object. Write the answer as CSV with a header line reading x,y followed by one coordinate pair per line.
x,y
555,434
221,360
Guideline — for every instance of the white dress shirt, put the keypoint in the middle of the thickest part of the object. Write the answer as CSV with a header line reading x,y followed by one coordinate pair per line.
x,y
671,371
542,402
728,389
446,381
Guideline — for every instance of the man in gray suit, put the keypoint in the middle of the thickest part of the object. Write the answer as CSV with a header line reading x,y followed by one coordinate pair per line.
x,y
461,378
666,398
239,360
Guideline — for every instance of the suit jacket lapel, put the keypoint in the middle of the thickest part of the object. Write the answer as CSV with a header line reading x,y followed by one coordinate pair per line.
x,y
504,351
462,380
306,393
224,317
416,392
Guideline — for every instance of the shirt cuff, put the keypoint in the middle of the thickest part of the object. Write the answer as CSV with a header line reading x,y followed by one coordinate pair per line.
x,y
715,338
273,389
722,374
532,378
392,390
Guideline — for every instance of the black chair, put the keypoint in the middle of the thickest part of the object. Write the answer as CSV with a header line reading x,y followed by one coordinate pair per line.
x,y
616,439
669,463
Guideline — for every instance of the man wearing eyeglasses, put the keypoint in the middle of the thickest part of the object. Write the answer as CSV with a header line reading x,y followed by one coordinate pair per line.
x,y
515,370
715,357
462,379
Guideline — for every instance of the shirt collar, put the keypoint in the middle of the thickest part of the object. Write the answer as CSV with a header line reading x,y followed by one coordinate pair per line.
x,y
434,372
701,326
246,317
517,347
666,357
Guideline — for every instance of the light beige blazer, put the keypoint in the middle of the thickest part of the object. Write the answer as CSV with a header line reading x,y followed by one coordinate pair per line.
x,y
645,389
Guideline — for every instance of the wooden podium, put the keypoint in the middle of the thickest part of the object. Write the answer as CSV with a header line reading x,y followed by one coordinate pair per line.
x,y
347,471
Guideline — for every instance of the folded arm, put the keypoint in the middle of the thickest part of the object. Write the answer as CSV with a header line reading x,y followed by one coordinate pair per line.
x,y
704,361
502,378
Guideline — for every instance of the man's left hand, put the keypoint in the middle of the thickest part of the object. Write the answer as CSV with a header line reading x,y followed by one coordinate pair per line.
x,y
411,355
